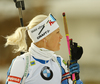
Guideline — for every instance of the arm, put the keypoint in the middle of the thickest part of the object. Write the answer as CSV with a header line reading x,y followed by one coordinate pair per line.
x,y
76,52
74,68
16,71
66,78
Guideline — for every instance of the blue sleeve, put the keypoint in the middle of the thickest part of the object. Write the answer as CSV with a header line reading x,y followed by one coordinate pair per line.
x,y
65,75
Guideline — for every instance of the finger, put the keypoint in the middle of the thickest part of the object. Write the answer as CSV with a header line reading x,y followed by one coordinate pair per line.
x,y
74,65
74,71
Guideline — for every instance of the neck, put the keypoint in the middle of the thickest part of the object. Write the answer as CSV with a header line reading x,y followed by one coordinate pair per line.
x,y
41,44
40,53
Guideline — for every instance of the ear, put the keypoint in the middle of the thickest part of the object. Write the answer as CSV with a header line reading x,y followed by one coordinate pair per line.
x,y
44,40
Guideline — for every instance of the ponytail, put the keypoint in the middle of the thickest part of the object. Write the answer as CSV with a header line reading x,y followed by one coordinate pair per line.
x,y
18,38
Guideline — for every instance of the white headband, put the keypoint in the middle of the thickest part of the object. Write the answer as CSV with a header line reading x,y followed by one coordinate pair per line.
x,y
43,29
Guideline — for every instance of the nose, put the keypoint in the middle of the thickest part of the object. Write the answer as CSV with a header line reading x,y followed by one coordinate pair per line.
x,y
61,36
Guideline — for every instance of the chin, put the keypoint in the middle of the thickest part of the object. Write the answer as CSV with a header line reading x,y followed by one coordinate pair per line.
x,y
56,49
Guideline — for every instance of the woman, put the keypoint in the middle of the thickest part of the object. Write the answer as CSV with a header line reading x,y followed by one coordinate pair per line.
x,y
44,66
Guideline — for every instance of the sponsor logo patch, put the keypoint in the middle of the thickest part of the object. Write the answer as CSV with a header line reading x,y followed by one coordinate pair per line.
x,y
14,79
46,73
32,63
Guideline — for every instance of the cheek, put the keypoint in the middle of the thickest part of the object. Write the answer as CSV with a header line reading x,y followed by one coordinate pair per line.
x,y
54,42
51,44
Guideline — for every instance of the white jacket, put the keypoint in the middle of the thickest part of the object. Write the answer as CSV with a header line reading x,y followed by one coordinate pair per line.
x,y
45,68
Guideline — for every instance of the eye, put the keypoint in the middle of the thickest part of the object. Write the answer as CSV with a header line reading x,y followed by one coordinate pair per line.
x,y
57,31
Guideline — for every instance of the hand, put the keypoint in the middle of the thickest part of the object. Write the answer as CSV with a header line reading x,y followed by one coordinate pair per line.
x,y
79,82
74,68
76,51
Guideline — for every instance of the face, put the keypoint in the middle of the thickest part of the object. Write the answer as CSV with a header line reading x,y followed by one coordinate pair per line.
x,y
53,40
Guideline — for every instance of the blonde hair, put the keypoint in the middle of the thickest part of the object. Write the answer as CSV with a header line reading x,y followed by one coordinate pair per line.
x,y
18,38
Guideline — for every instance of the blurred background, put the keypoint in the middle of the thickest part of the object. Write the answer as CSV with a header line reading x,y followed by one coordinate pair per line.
x,y
83,19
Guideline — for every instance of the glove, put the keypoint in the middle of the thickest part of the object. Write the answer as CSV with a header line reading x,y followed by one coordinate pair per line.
x,y
74,68
76,51
79,82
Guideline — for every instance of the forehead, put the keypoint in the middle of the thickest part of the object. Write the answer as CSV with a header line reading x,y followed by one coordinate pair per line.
x,y
57,29
52,34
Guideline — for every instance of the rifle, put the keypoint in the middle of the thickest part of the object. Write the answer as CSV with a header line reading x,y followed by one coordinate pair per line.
x,y
20,5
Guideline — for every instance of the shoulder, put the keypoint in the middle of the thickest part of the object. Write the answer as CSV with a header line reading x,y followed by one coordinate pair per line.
x,y
60,60
18,65
21,58
16,69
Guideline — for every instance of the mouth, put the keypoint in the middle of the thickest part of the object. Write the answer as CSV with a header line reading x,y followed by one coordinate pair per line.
x,y
59,43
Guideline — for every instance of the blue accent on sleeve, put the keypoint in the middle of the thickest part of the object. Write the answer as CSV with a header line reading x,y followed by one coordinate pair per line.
x,y
65,82
63,71
59,60
8,72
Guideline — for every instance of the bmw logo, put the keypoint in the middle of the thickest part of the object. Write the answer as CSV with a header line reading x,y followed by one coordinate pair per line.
x,y
46,73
